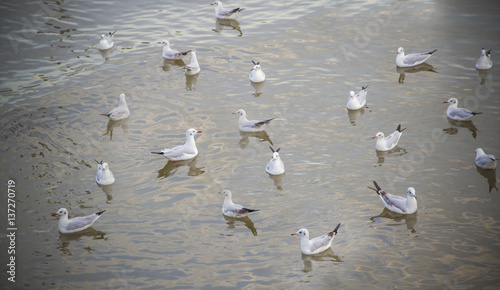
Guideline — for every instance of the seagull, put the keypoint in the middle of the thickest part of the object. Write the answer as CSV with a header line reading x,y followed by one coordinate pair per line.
x,y
316,245
275,165
223,13
182,152
357,101
398,204
169,53
67,226
107,41
257,75
412,59
233,210
458,114
121,112
104,175
485,161
484,61
250,126
193,67
389,142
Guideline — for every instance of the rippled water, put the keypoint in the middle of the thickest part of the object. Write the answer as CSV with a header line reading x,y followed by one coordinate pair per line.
x,y
163,226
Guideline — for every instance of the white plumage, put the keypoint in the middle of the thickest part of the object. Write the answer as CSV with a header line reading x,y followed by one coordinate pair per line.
x,y
485,161
459,114
67,226
121,112
183,152
484,61
397,204
389,142
357,101
316,245
412,59
231,209
107,41
246,125
275,166
222,13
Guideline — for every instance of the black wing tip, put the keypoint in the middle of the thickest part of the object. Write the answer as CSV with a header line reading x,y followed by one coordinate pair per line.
x,y
431,52
251,210
336,228
186,52
399,128
476,113
161,153
255,63
488,52
364,88
100,212
107,115
377,186
112,33
272,149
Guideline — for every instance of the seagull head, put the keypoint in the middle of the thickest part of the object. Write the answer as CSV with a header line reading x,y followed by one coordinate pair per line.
x,y
61,212
351,95
276,155
256,67
103,36
240,112
379,135
401,50
302,233
479,151
105,166
451,101
411,192
192,132
165,42
226,193
216,3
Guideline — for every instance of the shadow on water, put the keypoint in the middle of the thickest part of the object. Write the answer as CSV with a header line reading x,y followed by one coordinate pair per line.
x,y
409,219
106,53
490,175
66,239
191,81
245,138
396,151
167,63
172,166
227,24
483,74
114,124
460,124
108,190
414,69
325,256
278,180
231,222
355,114
258,88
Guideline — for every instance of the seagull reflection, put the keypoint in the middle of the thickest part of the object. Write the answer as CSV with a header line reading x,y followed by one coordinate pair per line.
x,y
258,88
191,81
490,175
169,62
414,69
172,166
410,219
248,223
483,74
327,255
67,238
354,115
106,53
278,180
396,151
108,190
113,124
461,124
220,25
245,138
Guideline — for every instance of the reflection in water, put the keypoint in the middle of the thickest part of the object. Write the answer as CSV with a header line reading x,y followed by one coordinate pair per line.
x,y
461,124
67,238
172,166
191,81
410,219
278,180
258,88
483,74
108,190
220,25
113,124
414,69
396,151
490,175
327,255
248,223
245,138
354,115
106,53
169,62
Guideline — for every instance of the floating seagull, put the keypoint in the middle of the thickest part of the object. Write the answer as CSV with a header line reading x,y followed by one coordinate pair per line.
x,y
257,75
389,142
233,210
412,59
121,112
357,101
182,152
485,161
459,114
223,13
107,41
316,245
275,165
398,204
250,126
104,175
169,53
193,67
484,61
67,226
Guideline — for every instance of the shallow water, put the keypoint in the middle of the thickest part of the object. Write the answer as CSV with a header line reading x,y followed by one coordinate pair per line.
x,y
163,226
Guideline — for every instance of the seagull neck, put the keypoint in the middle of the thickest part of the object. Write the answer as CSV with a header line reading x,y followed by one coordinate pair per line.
x,y
190,141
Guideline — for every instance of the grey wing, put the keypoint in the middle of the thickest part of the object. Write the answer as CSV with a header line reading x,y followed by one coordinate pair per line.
x,y
395,200
461,113
361,96
392,139
228,12
485,159
319,242
415,58
80,222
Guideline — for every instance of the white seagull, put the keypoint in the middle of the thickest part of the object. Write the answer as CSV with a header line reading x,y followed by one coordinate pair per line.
x,y
250,126
169,53
67,226
121,112
357,101
275,165
182,152
484,61
316,245
104,175
389,142
398,204
107,41
412,59
193,67
257,75
459,114
222,13
231,209
485,161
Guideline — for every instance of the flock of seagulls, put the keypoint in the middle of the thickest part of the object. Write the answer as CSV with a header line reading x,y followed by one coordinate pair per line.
x,y
356,101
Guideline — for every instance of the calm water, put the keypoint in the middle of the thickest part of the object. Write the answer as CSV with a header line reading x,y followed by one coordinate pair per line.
x,y
163,226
